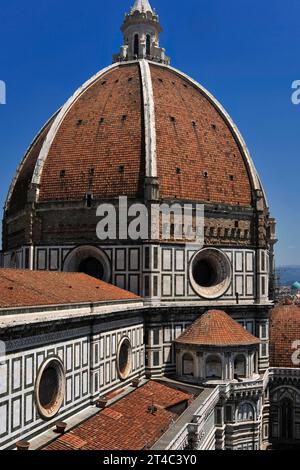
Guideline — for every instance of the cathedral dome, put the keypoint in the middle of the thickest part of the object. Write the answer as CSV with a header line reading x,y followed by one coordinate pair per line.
x,y
131,121
142,129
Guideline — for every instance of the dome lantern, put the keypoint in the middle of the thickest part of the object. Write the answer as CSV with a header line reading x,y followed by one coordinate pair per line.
x,y
141,30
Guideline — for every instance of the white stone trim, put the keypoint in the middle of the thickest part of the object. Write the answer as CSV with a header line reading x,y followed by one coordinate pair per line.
x,y
13,317
61,116
149,117
248,160
19,169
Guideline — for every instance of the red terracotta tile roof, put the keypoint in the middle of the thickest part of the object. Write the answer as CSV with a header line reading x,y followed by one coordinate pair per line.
x,y
216,328
126,425
20,288
284,331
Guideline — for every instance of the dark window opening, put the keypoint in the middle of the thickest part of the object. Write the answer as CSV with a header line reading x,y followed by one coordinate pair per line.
x,y
155,286
156,337
228,414
27,258
218,417
147,257
92,267
49,387
136,45
148,45
147,286
287,419
156,358
124,357
155,255
205,273
89,200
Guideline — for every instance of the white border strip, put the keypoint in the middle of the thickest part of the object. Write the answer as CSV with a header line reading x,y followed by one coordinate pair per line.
x,y
149,118
19,169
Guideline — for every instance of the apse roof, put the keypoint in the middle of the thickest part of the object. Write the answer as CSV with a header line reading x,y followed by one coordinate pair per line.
x,y
216,328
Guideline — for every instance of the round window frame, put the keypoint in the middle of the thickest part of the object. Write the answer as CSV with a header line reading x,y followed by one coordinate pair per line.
x,y
124,375
217,291
49,413
81,253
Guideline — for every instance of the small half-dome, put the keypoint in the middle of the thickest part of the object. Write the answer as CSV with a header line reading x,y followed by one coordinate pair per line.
x,y
216,328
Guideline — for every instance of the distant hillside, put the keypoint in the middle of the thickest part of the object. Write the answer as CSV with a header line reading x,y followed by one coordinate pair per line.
x,y
288,275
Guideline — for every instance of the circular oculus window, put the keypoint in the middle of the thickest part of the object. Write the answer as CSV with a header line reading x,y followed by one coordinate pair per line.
x,y
50,388
210,273
124,362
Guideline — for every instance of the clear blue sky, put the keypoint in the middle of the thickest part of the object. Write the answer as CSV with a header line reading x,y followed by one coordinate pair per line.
x,y
246,52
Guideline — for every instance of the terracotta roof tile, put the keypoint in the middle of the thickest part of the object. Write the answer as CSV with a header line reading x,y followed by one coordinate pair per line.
x,y
284,331
135,427
216,328
23,288
192,135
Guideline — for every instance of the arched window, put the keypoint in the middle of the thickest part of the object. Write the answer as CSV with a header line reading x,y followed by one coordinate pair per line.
x,y
286,419
188,365
246,412
240,366
148,45
213,368
136,45
89,260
